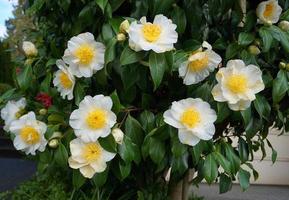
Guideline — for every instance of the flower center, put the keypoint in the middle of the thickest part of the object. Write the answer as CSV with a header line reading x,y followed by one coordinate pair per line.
x,y
96,119
237,83
91,152
190,117
151,32
65,81
29,135
268,10
85,54
199,64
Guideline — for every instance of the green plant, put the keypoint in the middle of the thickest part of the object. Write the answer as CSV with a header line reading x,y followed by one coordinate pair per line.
x,y
153,155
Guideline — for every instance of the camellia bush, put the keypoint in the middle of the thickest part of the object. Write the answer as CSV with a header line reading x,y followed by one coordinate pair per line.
x,y
143,98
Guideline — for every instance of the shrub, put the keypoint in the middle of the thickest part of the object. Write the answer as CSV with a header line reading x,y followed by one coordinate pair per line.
x,y
181,89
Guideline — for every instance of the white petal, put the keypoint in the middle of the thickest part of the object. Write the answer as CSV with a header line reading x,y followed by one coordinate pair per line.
x,y
87,171
187,137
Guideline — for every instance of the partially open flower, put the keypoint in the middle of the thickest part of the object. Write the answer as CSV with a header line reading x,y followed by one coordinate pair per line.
x,y
29,49
199,65
89,158
269,12
124,26
284,25
12,111
120,37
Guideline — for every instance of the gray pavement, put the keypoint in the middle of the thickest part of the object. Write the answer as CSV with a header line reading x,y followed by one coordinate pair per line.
x,y
255,192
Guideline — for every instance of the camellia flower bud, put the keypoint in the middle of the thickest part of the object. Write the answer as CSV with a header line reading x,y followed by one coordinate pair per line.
x,y
56,134
121,37
284,25
118,135
254,50
54,143
124,26
29,49
282,65
43,111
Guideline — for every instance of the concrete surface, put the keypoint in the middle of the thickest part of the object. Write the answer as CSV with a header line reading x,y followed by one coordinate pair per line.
x,y
255,192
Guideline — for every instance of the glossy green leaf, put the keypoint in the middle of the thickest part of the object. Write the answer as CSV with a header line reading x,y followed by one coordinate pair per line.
x,y
158,65
129,56
210,169
244,179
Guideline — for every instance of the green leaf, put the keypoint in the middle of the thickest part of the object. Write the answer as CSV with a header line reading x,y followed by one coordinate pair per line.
x,y
61,155
128,56
77,179
281,36
243,150
231,156
179,18
24,79
157,150
79,92
108,143
178,149
129,151
266,37
245,39
99,179
262,106
117,106
124,169
45,85
161,6
244,179
101,4
232,50
246,115
223,112
158,65
280,87
225,183
110,51
222,161
134,130
147,120
210,169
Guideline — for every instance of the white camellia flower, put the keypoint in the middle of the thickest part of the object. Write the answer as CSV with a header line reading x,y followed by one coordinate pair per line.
x,y
12,111
29,49
269,12
199,65
64,80
93,119
158,36
193,118
29,134
84,55
238,84
89,158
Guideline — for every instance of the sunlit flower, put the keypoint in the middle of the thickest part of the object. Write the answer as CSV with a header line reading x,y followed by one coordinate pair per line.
x,y
158,36
84,55
199,65
29,49
64,80
29,134
238,84
89,158
12,111
93,119
193,118
269,12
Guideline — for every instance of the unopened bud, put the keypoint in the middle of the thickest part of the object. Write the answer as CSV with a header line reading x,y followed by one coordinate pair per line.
x,y
257,42
54,143
268,23
124,26
121,37
282,65
254,50
118,135
43,111
284,25
28,61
